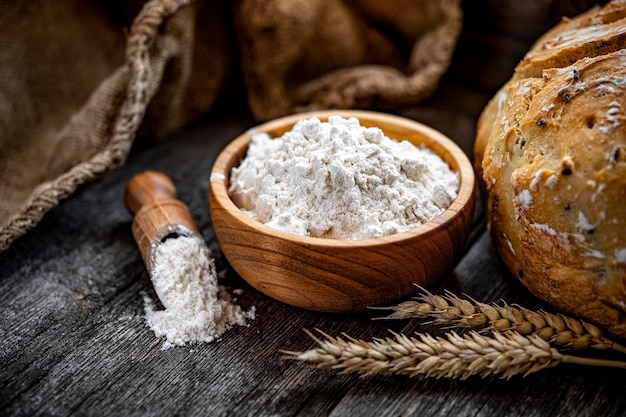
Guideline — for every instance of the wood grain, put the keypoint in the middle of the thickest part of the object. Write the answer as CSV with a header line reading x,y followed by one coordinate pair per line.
x,y
343,275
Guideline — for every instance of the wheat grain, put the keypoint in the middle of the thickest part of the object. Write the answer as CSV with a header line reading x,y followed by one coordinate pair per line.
x,y
557,329
504,354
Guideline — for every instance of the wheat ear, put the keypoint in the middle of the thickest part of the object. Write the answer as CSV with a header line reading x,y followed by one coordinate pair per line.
x,y
505,354
557,329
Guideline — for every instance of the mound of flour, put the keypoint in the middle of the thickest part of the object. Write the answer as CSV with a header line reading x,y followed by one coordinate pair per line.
x,y
196,310
340,180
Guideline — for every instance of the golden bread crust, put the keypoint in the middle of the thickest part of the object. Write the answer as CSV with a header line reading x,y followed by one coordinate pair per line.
x,y
551,150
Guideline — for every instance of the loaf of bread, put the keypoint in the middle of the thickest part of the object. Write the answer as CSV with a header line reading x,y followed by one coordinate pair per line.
x,y
551,153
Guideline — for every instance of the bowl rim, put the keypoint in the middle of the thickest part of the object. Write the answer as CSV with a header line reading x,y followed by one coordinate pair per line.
x,y
220,179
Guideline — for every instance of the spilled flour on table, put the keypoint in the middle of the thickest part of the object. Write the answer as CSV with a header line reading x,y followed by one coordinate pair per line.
x,y
341,180
196,310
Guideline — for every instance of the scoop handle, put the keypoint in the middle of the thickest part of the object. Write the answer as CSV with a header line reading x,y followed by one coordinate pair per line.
x,y
158,215
146,187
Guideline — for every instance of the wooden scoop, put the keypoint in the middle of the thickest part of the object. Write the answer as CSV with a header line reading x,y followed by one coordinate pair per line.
x,y
151,197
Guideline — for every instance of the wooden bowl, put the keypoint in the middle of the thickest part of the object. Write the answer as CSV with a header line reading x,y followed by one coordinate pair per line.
x,y
342,275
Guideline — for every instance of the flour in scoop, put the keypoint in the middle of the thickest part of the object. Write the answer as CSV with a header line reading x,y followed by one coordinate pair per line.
x,y
340,180
185,280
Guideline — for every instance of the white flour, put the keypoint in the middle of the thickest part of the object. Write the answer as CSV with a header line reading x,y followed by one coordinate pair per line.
x,y
340,180
185,280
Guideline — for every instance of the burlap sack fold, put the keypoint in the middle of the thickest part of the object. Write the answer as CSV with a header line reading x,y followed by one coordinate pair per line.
x,y
71,103
77,87
310,54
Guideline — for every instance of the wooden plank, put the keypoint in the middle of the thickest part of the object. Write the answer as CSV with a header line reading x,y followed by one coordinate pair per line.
x,y
76,342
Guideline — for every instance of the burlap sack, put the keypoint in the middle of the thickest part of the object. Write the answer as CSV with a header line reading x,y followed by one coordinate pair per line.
x,y
75,90
79,83
310,54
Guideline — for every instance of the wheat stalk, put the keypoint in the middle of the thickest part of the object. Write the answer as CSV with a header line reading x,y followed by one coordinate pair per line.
x,y
557,329
505,354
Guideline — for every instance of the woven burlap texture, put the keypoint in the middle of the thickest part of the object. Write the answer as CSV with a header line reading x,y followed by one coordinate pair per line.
x,y
303,55
81,81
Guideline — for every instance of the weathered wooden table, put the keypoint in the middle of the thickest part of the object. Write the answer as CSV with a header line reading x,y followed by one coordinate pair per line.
x,y
73,340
